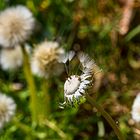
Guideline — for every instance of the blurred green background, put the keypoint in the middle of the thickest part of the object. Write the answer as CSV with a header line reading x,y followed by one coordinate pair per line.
x,y
93,27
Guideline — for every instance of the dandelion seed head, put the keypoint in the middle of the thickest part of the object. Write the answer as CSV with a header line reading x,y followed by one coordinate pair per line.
x,y
75,86
7,109
136,109
16,25
45,59
11,58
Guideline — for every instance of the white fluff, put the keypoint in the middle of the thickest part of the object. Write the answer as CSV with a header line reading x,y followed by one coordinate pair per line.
x,y
45,58
16,25
11,59
87,63
66,57
136,109
7,109
75,86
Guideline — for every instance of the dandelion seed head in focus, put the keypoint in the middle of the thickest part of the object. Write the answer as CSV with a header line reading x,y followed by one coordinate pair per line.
x,y
45,59
11,58
136,109
16,26
76,85
7,109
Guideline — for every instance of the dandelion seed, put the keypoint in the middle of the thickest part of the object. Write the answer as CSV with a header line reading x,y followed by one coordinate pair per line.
x,y
66,57
87,63
136,109
45,59
16,25
7,109
11,58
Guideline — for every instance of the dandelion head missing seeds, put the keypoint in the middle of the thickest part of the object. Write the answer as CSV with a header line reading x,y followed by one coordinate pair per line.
x,y
7,109
11,58
76,85
16,25
45,59
136,109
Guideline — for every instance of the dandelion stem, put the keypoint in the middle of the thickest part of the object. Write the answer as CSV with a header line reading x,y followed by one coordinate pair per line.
x,y
25,128
54,127
45,97
31,86
106,116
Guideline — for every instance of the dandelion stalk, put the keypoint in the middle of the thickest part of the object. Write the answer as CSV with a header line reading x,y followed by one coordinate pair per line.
x,y
54,127
106,116
31,86
45,97
28,131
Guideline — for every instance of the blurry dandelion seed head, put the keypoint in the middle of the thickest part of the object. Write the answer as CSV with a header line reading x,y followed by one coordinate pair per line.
x,y
11,58
76,85
136,109
16,25
7,109
45,59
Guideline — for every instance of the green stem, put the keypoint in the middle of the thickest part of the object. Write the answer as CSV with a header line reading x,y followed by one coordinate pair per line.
x,y
54,127
46,97
31,86
25,128
106,116
29,132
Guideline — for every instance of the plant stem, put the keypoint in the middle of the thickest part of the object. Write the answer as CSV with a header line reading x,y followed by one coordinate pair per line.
x,y
54,127
106,116
31,86
45,97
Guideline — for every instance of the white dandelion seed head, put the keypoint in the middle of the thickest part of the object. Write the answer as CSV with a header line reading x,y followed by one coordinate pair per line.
x,y
7,109
11,58
136,109
45,59
75,86
16,25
